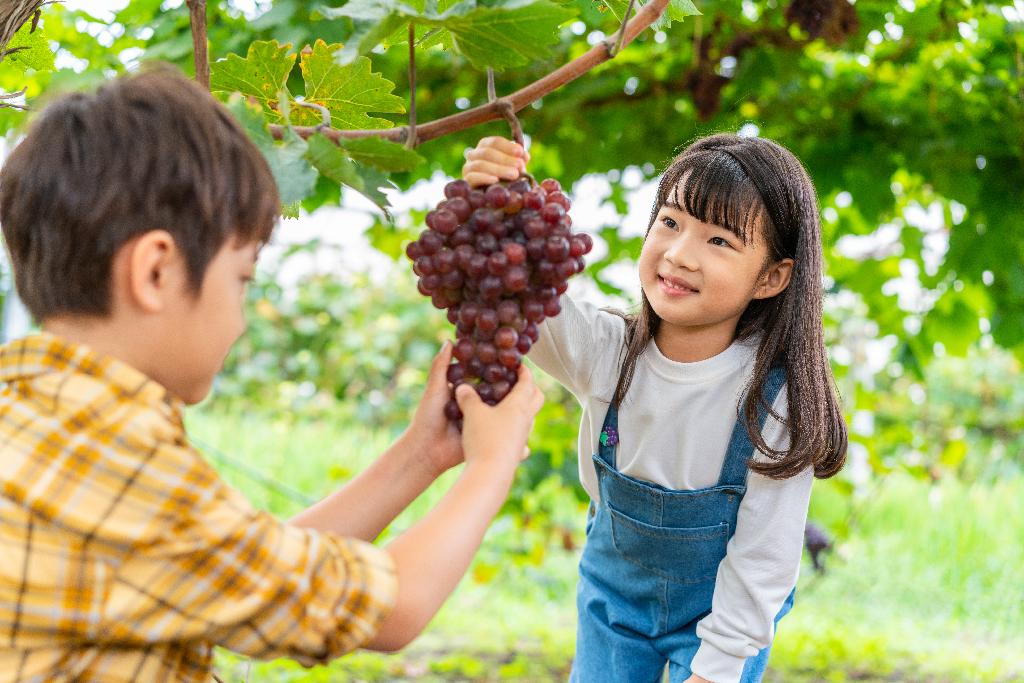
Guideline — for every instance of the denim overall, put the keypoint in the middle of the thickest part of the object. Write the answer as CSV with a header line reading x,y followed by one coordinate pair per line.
x,y
648,570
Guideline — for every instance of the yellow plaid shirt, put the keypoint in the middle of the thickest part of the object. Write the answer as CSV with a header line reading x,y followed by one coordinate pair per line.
x,y
124,557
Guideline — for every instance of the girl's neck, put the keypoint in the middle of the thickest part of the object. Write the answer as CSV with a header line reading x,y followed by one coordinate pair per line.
x,y
693,344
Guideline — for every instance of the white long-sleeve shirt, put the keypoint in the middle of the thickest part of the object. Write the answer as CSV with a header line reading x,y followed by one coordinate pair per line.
x,y
674,429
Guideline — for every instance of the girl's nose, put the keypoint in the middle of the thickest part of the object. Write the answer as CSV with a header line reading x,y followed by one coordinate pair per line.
x,y
680,253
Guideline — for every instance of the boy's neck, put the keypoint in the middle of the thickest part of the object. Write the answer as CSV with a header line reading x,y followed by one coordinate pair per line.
x,y
691,344
104,336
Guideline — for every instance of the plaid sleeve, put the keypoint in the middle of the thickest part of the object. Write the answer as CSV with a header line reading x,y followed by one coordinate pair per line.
x,y
223,572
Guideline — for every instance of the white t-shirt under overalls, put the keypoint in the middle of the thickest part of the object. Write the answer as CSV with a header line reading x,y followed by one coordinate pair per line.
x,y
680,418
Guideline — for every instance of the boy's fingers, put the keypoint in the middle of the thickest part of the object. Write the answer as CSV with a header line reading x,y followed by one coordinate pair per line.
x,y
439,366
467,398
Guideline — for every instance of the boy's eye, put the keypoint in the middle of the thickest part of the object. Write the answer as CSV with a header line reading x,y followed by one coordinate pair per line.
x,y
669,223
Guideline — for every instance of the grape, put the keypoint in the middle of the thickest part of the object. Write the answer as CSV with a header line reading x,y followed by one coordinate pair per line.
x,y
413,251
457,188
457,373
461,208
497,196
557,197
505,338
487,320
497,263
496,259
451,411
551,213
501,390
445,221
477,199
430,242
464,350
516,279
486,352
515,253
510,358
556,249
493,372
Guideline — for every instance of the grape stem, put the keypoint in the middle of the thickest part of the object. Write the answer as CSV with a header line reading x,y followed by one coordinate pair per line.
x,y
410,141
197,16
506,109
518,100
614,44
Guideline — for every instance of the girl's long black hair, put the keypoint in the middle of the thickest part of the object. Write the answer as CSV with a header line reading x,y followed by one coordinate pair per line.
x,y
746,184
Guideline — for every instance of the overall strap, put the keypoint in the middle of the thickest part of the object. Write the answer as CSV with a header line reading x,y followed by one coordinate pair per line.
x,y
609,436
741,448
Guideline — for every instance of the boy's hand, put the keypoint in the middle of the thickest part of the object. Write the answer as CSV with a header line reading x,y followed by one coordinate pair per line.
x,y
498,434
432,434
494,159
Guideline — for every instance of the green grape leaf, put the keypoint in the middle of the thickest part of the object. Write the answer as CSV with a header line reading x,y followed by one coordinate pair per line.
x,y
261,74
373,21
333,162
503,35
677,10
28,49
498,34
293,173
382,154
348,92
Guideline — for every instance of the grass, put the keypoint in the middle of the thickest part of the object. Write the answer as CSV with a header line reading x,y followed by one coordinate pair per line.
x,y
928,585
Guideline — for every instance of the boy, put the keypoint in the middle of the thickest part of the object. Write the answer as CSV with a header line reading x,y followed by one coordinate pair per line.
x,y
133,217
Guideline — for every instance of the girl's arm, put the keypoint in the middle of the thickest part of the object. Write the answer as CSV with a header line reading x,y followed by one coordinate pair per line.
x,y
760,568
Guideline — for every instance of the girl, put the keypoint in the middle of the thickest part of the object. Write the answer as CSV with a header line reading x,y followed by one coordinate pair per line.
x,y
705,417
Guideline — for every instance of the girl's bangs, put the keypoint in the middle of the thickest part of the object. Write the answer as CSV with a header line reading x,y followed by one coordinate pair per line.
x,y
712,187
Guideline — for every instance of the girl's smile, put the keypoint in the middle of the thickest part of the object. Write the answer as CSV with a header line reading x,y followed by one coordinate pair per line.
x,y
676,287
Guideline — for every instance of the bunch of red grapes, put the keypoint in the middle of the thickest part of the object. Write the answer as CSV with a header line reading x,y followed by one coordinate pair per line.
x,y
497,258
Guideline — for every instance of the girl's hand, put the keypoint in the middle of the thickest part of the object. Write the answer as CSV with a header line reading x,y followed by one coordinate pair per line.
x,y
494,159
430,434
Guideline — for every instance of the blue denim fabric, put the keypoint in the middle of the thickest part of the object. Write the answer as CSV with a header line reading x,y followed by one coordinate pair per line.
x,y
648,570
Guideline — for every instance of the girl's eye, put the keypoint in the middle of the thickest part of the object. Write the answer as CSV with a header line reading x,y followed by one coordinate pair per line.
x,y
719,242
669,223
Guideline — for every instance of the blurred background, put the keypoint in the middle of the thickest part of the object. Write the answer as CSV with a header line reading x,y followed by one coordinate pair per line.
x,y
909,116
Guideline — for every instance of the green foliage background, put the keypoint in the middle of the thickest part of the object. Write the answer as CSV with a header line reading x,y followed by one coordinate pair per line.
x,y
909,115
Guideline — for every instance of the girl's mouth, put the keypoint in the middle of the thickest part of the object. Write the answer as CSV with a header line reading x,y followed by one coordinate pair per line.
x,y
673,287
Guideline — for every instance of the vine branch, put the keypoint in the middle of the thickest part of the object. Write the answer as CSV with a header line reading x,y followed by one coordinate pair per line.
x,y
197,17
518,100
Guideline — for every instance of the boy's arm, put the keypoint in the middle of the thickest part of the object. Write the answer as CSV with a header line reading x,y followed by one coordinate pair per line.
x,y
214,569
430,446
432,556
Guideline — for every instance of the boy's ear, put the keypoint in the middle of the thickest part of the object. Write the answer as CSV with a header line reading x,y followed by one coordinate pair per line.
x,y
774,279
153,271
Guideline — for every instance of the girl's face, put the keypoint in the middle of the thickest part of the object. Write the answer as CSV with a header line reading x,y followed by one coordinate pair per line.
x,y
702,276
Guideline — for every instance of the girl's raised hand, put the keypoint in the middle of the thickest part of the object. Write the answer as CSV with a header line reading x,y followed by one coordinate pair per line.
x,y
494,159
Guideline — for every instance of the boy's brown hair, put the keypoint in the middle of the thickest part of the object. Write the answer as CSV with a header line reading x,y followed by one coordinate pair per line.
x,y
143,152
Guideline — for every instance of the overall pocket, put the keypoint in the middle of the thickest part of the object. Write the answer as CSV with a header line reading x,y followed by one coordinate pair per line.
x,y
681,555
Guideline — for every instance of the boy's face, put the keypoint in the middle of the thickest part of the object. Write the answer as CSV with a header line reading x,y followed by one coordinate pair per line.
x,y
205,326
